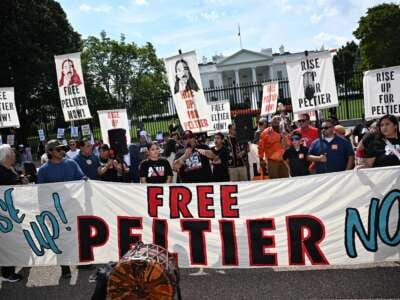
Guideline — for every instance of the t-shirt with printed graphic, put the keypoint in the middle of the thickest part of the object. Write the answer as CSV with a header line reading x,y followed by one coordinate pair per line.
x,y
384,152
155,171
196,167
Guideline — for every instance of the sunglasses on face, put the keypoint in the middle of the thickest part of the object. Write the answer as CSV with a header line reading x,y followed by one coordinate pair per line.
x,y
326,127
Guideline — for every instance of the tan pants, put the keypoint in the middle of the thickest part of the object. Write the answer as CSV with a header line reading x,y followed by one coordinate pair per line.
x,y
277,169
238,174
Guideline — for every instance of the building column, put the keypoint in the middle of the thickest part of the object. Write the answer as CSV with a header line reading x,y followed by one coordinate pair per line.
x,y
271,74
237,78
253,74
221,79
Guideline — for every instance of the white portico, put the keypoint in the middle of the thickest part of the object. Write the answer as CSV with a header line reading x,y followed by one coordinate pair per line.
x,y
244,66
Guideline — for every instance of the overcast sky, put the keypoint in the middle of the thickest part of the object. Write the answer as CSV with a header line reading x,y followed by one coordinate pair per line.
x,y
211,26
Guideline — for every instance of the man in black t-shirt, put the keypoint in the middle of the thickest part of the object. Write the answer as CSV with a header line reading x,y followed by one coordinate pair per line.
x,y
8,176
296,157
191,165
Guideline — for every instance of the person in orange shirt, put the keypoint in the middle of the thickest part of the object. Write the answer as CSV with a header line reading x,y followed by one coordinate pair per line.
x,y
271,146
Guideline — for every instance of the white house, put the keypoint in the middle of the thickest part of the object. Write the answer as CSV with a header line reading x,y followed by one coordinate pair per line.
x,y
245,66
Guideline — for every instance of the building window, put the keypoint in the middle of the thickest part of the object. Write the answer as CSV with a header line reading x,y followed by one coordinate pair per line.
x,y
279,74
211,83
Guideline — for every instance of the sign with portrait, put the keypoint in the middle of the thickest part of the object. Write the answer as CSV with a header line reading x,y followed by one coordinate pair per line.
x,y
8,110
187,92
71,87
312,82
382,92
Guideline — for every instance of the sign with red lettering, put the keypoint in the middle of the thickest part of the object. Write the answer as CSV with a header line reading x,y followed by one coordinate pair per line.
x,y
187,92
315,220
71,87
114,119
312,82
270,98
382,92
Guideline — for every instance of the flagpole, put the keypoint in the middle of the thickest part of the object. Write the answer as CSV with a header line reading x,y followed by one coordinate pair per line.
x,y
240,37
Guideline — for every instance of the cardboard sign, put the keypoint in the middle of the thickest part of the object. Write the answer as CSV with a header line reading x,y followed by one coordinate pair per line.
x,y
86,130
8,110
382,92
220,116
270,98
41,135
113,119
71,87
60,133
74,131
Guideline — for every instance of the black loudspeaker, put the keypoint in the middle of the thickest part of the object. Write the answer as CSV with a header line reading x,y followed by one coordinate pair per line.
x,y
118,144
244,128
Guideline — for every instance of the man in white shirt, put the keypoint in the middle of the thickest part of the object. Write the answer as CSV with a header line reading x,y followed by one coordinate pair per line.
x,y
73,150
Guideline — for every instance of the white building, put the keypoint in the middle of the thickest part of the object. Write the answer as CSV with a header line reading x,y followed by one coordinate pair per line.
x,y
245,66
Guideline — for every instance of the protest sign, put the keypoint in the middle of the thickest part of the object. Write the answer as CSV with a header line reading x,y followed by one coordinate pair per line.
x,y
71,87
382,92
312,82
113,119
11,139
220,116
41,135
312,220
1,140
60,133
8,110
187,91
270,98
74,131
86,130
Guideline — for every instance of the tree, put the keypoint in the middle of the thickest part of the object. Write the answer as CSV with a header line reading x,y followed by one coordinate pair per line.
x,y
131,76
32,33
347,58
379,36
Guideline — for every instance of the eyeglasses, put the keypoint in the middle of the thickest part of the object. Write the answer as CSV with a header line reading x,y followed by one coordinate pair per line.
x,y
326,127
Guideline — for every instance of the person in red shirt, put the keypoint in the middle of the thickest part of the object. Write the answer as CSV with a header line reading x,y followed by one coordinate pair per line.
x,y
271,146
308,133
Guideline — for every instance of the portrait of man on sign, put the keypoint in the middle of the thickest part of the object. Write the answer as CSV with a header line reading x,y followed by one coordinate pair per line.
x,y
309,84
69,76
184,80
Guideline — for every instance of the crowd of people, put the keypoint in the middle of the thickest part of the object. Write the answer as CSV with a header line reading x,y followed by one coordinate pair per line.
x,y
284,149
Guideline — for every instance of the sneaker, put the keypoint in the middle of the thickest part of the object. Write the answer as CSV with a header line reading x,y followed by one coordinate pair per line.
x,y
66,272
12,278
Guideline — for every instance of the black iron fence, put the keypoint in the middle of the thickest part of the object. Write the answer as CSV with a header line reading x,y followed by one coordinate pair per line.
x,y
156,115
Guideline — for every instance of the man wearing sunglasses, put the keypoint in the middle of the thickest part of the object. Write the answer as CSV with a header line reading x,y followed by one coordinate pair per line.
x,y
337,153
307,132
59,169
73,149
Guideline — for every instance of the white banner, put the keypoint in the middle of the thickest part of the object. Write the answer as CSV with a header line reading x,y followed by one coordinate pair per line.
x,y
335,219
187,91
71,87
113,119
220,116
312,82
382,92
8,110
270,98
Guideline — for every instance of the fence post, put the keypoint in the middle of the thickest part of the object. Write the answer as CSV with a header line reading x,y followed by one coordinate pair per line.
x,y
346,95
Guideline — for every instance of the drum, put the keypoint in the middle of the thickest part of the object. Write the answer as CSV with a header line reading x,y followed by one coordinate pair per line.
x,y
147,271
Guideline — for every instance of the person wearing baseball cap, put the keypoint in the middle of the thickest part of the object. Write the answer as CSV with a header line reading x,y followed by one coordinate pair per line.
x,y
59,169
191,163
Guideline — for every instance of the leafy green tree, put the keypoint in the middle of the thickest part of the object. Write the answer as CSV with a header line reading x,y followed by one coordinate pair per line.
x,y
131,76
379,36
32,32
347,58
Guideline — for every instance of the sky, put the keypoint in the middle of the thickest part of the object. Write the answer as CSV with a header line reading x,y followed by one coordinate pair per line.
x,y
211,26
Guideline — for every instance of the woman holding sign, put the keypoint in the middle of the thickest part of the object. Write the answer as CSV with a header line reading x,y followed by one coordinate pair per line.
x,y
383,147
